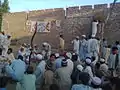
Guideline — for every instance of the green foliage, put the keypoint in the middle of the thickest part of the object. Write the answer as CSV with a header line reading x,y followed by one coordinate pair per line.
x,y
4,8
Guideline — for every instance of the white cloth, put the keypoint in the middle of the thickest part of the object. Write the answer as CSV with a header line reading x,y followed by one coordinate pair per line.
x,y
39,72
94,28
104,67
88,61
21,53
93,48
80,67
1,40
5,44
89,71
76,46
111,61
70,66
10,57
39,56
83,49
96,81
108,50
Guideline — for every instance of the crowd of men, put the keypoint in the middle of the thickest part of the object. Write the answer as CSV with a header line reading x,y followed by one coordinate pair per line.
x,y
92,65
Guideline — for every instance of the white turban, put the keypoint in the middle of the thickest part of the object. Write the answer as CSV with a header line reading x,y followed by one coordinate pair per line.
x,y
102,60
68,54
84,36
57,55
93,36
96,81
88,61
39,57
104,67
77,37
80,67
45,43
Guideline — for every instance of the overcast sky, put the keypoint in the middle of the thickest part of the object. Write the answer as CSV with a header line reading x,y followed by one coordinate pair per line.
x,y
25,5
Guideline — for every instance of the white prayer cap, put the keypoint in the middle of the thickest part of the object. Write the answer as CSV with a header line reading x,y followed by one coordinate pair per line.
x,y
80,67
69,55
84,36
45,43
77,37
88,60
73,54
96,81
104,67
57,55
39,56
102,60
93,35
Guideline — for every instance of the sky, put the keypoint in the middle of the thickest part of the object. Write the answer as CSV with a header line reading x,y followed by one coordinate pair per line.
x,y
28,5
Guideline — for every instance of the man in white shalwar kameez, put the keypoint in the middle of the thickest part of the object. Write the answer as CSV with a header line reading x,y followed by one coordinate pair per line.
x,y
39,72
103,48
76,45
88,68
114,61
6,44
93,48
46,52
83,48
94,27
1,39
63,76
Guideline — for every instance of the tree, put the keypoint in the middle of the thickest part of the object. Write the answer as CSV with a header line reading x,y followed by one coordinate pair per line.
x,y
4,8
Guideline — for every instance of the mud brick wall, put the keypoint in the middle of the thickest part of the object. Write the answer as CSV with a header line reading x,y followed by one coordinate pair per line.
x,y
76,22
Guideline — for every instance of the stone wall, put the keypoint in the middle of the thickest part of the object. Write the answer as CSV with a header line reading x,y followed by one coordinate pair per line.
x,y
76,22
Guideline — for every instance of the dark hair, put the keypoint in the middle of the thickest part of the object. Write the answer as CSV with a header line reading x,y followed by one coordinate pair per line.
x,y
20,57
84,77
54,87
104,39
61,36
114,48
93,58
10,49
29,70
64,63
52,55
109,46
97,65
95,86
74,58
0,51
117,42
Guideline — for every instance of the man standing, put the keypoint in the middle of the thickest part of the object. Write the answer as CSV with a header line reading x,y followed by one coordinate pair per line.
x,y
94,27
1,39
46,52
6,44
92,48
114,60
40,69
103,48
83,47
62,43
63,76
76,44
